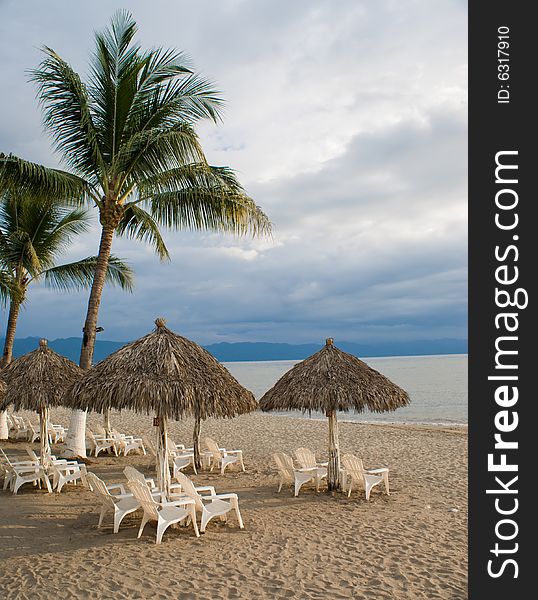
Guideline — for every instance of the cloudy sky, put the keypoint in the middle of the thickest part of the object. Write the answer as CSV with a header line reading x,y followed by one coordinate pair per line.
x,y
346,121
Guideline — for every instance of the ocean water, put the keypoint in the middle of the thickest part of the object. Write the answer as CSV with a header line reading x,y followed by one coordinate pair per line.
x,y
437,386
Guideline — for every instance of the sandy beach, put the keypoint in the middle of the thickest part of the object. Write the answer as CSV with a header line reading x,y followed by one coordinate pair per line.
x,y
410,545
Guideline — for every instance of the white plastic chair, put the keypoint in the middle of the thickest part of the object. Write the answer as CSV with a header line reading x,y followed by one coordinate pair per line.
x,y
67,473
354,472
133,474
182,461
223,457
99,443
307,459
215,505
56,433
289,474
17,474
126,443
22,430
122,504
164,513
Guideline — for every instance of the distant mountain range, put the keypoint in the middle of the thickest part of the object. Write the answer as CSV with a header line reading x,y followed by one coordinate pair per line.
x,y
252,351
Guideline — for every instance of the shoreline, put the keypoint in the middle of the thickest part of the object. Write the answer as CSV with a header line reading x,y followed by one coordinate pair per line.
x,y
417,424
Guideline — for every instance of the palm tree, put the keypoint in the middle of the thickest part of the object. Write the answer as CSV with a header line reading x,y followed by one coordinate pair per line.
x,y
33,234
127,136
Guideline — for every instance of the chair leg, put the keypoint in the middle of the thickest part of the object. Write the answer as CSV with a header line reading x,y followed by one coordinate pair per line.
x,y
206,517
102,515
145,519
162,526
239,518
386,481
118,518
192,511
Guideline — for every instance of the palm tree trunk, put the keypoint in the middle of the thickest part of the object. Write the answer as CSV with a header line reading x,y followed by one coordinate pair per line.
x,y
14,309
76,440
88,340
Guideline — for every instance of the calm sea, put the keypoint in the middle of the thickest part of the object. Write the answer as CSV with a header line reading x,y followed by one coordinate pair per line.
x,y
437,386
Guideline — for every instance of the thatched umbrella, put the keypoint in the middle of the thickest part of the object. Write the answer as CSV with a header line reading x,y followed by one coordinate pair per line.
x,y
37,381
167,375
329,381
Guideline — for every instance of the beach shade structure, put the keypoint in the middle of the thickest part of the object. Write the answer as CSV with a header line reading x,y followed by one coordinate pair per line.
x,y
36,381
166,375
330,381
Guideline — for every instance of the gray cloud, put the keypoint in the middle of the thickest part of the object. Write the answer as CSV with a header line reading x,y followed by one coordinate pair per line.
x,y
347,122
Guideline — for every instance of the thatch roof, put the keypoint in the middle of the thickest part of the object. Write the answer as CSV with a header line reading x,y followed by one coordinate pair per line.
x,y
333,380
37,379
2,387
165,374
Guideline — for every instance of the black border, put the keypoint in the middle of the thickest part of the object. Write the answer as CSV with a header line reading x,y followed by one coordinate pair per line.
x,y
495,127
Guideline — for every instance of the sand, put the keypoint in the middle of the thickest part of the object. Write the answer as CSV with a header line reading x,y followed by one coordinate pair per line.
x,y
410,545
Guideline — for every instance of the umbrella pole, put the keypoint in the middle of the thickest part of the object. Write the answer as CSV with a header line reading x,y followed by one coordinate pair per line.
x,y
196,442
108,428
163,470
44,436
333,470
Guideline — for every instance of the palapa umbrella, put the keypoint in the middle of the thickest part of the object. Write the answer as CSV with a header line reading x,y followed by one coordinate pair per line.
x,y
167,375
329,381
37,381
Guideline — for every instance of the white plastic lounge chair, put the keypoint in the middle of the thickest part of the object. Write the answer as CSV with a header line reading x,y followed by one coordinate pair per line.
x,y
354,472
133,474
56,433
18,428
17,461
307,460
23,430
222,457
17,474
126,443
67,473
215,505
289,474
165,513
99,443
182,461
122,504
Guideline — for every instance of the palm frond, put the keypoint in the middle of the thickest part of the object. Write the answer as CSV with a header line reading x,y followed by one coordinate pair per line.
x,y
10,290
26,178
213,209
67,115
78,275
116,65
151,152
34,232
139,225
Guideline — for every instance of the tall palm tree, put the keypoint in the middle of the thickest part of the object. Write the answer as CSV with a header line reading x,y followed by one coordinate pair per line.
x,y
127,136
33,235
